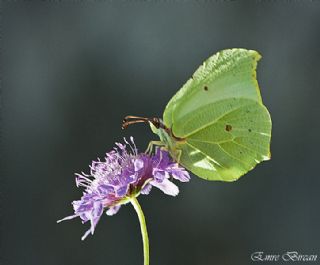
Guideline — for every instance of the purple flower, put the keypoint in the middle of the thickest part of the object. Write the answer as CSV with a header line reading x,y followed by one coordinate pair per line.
x,y
122,175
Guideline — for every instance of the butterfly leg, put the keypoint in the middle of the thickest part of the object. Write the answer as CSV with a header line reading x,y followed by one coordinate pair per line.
x,y
152,144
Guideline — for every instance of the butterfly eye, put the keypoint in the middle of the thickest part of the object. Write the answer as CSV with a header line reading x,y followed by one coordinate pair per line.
x,y
156,122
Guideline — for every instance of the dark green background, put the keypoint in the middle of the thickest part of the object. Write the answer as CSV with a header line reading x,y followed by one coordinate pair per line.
x,y
72,71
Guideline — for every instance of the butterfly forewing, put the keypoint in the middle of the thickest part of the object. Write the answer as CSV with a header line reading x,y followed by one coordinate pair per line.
x,y
228,73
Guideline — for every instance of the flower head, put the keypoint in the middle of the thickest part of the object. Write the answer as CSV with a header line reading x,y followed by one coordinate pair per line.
x,y
123,174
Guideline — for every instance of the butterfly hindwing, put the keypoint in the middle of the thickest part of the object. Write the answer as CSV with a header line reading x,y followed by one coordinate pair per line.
x,y
231,146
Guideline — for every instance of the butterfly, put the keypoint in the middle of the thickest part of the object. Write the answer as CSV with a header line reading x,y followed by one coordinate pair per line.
x,y
216,125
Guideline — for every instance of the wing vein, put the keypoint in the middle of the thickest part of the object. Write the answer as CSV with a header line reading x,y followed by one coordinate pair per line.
x,y
233,157
207,156
210,123
248,148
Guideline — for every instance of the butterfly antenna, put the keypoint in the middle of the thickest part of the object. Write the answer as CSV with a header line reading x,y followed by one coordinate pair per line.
x,y
128,120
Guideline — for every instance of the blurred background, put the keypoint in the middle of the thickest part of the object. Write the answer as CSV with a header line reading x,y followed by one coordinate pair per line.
x,y
72,71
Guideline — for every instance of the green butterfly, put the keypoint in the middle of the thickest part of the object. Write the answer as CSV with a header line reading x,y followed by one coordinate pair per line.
x,y
216,125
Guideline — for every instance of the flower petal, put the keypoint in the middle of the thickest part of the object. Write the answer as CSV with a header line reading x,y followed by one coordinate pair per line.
x,y
120,192
86,234
146,189
160,175
138,164
68,218
166,186
113,210
97,209
180,174
105,189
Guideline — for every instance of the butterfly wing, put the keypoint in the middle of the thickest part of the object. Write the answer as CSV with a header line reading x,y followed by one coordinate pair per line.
x,y
220,114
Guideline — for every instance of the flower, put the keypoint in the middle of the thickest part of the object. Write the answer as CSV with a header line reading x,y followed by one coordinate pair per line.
x,y
122,175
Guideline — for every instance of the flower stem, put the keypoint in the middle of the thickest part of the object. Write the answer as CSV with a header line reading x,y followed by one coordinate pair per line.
x,y
143,226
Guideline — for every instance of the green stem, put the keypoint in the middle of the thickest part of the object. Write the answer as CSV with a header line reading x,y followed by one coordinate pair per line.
x,y
143,226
